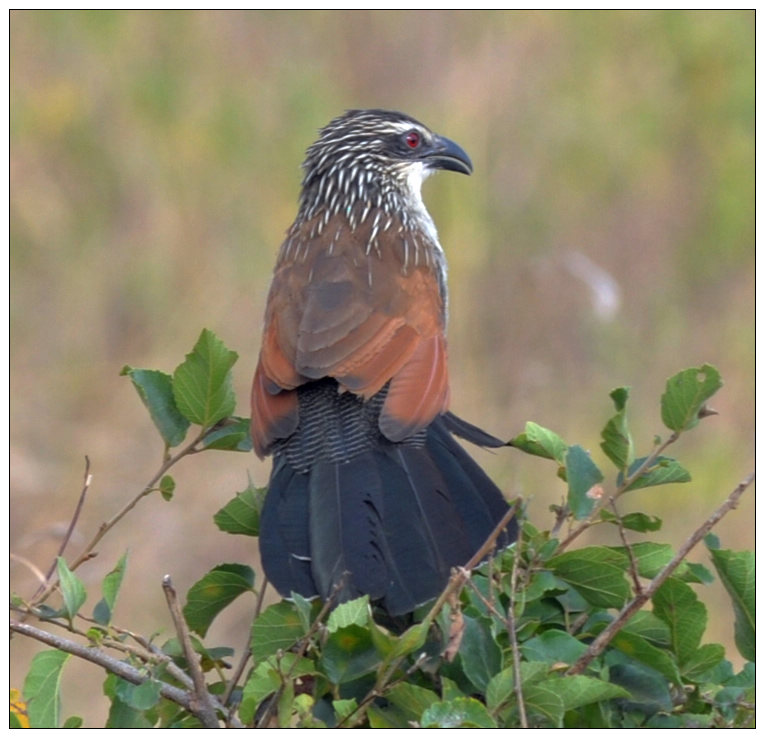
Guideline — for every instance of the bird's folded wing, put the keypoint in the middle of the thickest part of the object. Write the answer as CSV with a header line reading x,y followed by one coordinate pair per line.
x,y
361,315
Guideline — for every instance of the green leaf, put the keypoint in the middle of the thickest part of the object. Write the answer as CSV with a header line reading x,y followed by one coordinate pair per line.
x,y
463,712
121,715
633,521
544,700
647,625
139,696
242,514
596,572
450,690
110,587
124,717
214,591
663,470
682,403
72,723
72,589
167,487
285,705
539,441
697,573
649,691
349,653
268,676
617,442
552,647
155,389
411,640
232,434
480,656
584,479
306,609
736,571
699,663
578,690
42,689
662,721
262,681
639,649
650,557
354,612
277,628
405,703
679,607
541,583
344,708
202,384
500,689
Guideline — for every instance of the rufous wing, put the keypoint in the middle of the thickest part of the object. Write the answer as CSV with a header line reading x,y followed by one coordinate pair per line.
x,y
359,315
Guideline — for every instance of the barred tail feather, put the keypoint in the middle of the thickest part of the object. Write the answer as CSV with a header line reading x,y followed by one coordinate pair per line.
x,y
390,522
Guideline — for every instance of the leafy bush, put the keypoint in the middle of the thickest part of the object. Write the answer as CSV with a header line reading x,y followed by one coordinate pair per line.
x,y
543,635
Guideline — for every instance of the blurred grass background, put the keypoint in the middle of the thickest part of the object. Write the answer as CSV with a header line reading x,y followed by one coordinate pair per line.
x,y
606,238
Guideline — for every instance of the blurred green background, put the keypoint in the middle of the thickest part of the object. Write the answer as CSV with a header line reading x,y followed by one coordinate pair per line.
x,y
606,238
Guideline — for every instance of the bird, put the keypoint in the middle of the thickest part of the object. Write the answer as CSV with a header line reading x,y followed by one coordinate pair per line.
x,y
370,493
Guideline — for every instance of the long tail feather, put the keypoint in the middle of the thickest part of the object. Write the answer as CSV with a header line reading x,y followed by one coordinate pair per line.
x,y
386,519
285,550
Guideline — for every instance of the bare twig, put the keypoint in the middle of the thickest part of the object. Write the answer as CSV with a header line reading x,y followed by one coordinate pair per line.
x,y
96,656
87,478
488,544
203,706
42,594
36,571
145,652
633,561
605,636
247,652
510,623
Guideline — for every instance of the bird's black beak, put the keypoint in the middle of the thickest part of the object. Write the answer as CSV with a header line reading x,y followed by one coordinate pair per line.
x,y
445,154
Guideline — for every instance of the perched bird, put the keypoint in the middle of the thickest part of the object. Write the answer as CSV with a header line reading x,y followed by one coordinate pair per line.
x,y
369,492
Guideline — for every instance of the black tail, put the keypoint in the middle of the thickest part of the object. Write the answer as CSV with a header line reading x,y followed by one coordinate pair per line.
x,y
346,507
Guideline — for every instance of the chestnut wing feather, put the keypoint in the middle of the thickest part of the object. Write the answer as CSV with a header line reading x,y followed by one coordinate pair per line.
x,y
361,318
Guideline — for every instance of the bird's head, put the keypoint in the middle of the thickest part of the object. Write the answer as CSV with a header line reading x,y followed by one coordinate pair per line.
x,y
375,157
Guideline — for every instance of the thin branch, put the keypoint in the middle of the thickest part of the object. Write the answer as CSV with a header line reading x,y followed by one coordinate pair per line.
x,y
96,656
623,487
148,489
510,622
488,544
150,654
36,571
237,675
204,708
87,479
638,587
605,636
261,596
104,528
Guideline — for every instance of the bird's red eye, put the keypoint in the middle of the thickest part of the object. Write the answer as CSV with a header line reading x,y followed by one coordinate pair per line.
x,y
412,139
